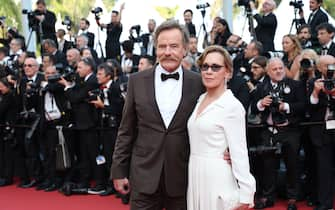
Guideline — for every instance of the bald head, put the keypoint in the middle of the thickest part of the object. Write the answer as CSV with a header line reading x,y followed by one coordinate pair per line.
x,y
73,56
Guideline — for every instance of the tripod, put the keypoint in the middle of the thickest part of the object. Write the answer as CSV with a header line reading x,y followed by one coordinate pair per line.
x,y
203,29
295,21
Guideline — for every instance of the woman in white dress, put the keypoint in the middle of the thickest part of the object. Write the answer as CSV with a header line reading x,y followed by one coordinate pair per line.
x,y
216,125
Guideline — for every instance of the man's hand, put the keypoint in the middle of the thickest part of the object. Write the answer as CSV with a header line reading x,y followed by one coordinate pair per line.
x,y
318,86
98,103
266,101
122,185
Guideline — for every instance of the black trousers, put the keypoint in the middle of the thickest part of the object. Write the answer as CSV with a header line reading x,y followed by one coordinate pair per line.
x,y
158,200
107,140
289,138
88,151
325,170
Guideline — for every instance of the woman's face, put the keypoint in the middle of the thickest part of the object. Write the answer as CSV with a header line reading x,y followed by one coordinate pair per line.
x,y
213,71
288,45
3,88
220,28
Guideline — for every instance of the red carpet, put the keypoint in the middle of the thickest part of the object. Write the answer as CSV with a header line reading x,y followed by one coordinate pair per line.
x,y
13,198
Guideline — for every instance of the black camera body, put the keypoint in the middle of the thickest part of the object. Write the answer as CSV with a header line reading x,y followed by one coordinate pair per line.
x,y
67,22
33,90
297,4
277,97
202,6
306,63
33,22
94,94
235,50
10,68
67,72
97,11
329,82
137,38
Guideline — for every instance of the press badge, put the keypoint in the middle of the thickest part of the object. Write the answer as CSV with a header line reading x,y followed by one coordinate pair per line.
x,y
100,159
330,124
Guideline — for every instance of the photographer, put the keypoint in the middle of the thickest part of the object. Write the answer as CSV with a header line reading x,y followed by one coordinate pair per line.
x,y
304,34
266,24
84,24
322,109
188,16
47,19
129,61
281,103
148,39
316,17
109,104
49,46
114,30
54,113
8,149
85,119
326,33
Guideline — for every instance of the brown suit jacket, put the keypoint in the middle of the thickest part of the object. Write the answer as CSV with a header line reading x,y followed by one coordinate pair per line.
x,y
144,147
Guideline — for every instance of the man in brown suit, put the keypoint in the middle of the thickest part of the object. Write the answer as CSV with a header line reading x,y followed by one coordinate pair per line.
x,y
152,148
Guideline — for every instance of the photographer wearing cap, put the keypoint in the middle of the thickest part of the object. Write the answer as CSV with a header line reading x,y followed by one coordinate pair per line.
x,y
322,109
316,17
281,103
266,24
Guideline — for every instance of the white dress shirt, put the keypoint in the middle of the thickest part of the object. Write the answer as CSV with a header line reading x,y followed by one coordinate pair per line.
x,y
168,93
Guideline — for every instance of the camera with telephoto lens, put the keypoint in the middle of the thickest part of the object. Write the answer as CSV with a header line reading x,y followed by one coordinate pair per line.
x,y
33,89
306,65
94,94
202,6
136,37
297,4
235,50
329,82
11,68
68,73
67,22
276,95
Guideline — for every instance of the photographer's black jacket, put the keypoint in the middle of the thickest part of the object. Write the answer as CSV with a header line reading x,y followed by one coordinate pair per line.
x,y
295,98
266,30
8,108
85,114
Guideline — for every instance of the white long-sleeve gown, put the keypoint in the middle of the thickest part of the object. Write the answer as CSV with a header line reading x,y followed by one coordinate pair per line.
x,y
213,183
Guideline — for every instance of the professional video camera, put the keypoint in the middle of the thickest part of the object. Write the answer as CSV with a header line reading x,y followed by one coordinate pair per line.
x,y
67,22
33,22
137,37
202,6
97,12
297,4
329,82
276,96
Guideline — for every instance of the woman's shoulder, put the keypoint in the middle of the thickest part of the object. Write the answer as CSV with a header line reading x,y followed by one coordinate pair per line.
x,y
230,103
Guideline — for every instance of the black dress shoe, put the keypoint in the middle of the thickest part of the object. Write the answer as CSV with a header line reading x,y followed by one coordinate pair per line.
x,y
108,191
125,199
5,182
260,204
32,183
97,190
51,188
23,183
291,206
43,185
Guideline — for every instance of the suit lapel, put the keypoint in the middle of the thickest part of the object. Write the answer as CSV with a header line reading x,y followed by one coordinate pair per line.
x,y
186,92
150,90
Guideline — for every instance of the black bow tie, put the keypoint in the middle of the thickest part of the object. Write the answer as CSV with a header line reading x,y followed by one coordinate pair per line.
x,y
168,76
325,48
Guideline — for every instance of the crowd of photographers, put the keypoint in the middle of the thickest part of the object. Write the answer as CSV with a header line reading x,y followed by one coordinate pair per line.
x,y
59,119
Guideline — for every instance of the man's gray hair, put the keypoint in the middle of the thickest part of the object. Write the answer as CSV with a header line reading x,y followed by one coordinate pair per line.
x,y
172,24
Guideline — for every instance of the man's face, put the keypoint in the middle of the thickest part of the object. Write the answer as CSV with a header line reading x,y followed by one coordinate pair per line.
x,y
276,70
267,6
49,71
324,37
151,26
304,34
14,46
232,41
144,64
250,51
30,67
314,5
83,70
47,48
193,45
324,61
80,42
114,17
72,57
82,25
46,62
187,17
102,78
170,49
41,8
257,71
